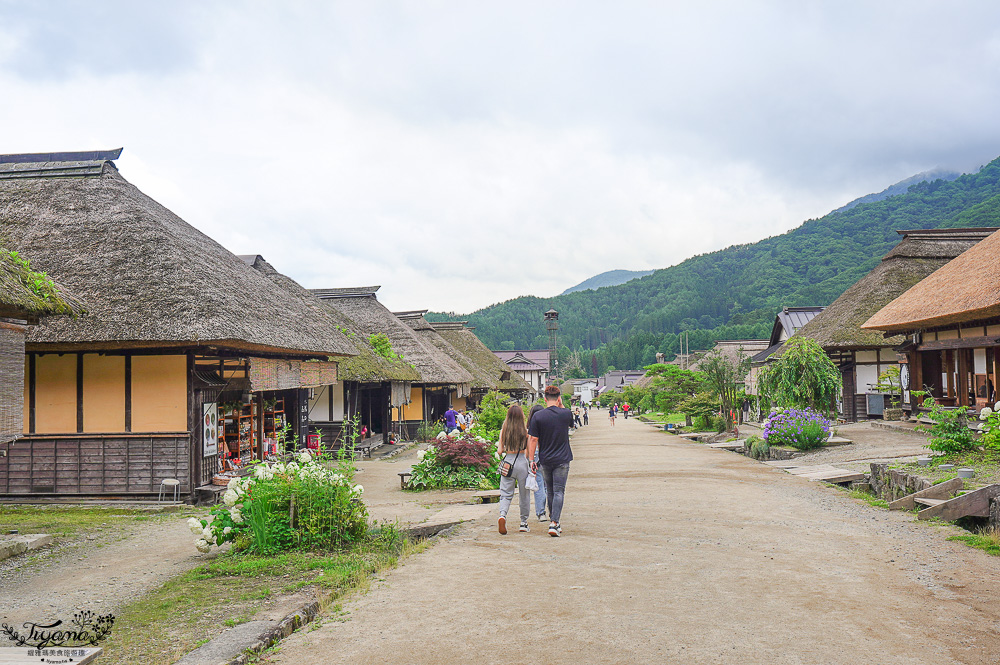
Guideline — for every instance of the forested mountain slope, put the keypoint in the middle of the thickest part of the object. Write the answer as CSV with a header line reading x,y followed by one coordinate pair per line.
x,y
609,278
744,284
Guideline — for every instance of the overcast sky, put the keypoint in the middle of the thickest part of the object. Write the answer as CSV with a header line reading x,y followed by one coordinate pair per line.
x,y
464,153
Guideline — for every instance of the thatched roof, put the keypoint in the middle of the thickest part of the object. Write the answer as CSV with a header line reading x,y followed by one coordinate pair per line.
x,y
367,366
917,255
25,294
966,288
488,371
733,349
432,340
363,307
148,278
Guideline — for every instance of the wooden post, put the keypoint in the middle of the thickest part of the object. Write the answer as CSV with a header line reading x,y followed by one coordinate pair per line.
x,y
949,361
258,424
386,411
996,373
963,377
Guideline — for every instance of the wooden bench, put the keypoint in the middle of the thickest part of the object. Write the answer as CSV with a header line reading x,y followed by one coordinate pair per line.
x,y
404,477
208,494
487,496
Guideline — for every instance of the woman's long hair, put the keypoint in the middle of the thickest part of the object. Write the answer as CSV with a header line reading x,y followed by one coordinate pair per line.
x,y
515,435
535,409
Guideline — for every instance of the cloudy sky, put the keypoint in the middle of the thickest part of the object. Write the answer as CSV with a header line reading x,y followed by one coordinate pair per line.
x,y
464,153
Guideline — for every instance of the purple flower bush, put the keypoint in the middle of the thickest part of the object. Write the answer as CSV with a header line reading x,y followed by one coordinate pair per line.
x,y
799,428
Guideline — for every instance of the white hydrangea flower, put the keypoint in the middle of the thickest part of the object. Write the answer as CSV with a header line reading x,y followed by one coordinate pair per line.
x,y
421,453
985,413
230,498
202,546
358,489
441,436
226,530
195,526
207,535
233,483
305,456
996,407
236,516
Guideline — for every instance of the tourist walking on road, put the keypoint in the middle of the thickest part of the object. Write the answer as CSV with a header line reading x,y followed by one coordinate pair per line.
x,y
549,435
586,416
576,417
450,420
540,492
612,412
513,444
625,409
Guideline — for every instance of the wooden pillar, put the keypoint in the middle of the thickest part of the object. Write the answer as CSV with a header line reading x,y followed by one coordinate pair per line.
x,y
963,377
386,411
258,423
948,358
996,373
916,374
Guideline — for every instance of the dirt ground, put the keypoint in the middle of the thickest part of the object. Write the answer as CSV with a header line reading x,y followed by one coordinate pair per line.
x,y
676,553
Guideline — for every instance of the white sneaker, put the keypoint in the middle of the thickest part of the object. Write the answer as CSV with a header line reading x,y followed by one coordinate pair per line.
x,y
554,530
524,527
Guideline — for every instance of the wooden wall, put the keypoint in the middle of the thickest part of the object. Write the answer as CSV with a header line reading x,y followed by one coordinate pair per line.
x,y
120,464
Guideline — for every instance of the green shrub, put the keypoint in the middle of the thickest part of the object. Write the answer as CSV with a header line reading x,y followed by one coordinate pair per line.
x,y
758,447
426,431
950,432
457,461
799,428
490,415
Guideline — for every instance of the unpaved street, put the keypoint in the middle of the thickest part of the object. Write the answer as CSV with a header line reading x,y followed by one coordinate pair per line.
x,y
675,553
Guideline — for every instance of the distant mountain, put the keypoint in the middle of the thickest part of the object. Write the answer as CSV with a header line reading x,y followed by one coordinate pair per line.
x,y
735,292
903,186
609,278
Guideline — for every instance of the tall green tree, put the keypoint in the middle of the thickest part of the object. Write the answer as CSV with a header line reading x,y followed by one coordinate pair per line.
x,y
803,376
726,376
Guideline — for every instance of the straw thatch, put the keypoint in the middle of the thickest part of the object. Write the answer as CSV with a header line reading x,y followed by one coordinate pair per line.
x,y
734,350
149,279
365,367
425,333
488,371
963,290
361,305
25,294
917,255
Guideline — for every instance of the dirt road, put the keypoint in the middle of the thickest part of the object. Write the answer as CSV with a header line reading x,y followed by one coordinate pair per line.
x,y
675,553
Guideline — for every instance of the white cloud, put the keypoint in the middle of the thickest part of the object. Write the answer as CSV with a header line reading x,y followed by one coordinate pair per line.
x,y
460,154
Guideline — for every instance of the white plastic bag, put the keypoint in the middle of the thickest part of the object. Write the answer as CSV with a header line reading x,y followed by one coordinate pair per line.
x,y
531,484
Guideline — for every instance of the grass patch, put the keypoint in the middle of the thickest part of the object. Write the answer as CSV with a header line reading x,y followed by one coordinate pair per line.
x,y
868,498
987,540
194,607
71,520
986,464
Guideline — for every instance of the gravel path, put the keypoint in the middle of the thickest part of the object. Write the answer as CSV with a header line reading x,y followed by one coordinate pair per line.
x,y
676,553
101,575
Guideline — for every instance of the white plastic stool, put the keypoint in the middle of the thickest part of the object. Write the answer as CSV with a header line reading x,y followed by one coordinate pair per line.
x,y
170,482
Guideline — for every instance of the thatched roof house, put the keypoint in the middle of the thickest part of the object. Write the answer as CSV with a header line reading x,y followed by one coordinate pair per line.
x,y
362,306
863,353
131,392
967,288
734,350
950,326
488,371
149,278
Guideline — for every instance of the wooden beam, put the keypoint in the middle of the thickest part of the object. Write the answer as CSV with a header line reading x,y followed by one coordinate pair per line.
x,y
963,377
973,504
31,393
128,393
962,343
940,491
79,393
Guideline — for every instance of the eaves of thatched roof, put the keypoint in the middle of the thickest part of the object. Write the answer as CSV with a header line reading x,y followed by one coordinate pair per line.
x,y
366,366
965,289
488,371
917,255
24,294
734,350
431,339
148,278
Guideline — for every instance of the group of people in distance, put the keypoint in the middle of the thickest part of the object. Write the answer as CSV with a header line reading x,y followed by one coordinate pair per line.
x,y
613,412
540,445
456,420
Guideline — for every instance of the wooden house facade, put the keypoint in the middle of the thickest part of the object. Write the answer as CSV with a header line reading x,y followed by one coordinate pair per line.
x,y
185,361
861,353
947,329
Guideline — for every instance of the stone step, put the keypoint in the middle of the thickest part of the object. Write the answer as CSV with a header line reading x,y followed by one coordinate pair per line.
x,y
14,545
924,501
728,445
940,491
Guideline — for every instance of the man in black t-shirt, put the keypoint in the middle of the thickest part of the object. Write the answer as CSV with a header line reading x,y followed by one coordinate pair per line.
x,y
549,433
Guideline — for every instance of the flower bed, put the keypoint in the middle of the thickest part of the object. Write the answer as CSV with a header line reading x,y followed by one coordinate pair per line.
x,y
803,429
460,460
300,504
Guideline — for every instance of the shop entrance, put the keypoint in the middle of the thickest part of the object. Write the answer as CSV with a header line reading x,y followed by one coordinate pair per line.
x,y
372,407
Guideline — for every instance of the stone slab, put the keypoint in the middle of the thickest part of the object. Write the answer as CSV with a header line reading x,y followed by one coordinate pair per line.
x,y
14,545
806,470
838,441
447,518
229,644
728,445
838,476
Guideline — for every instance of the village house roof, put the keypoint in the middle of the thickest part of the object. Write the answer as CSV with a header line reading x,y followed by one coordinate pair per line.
x,y
733,349
430,337
148,278
525,359
367,365
519,362
787,322
966,288
917,255
361,305
488,371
